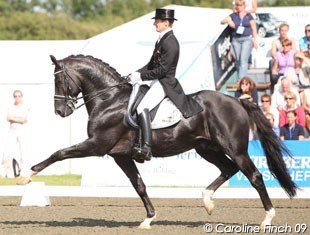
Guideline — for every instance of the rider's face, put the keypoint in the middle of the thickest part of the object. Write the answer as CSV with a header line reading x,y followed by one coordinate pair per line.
x,y
161,25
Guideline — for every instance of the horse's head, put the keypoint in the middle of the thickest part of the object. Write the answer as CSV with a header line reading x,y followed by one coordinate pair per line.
x,y
67,88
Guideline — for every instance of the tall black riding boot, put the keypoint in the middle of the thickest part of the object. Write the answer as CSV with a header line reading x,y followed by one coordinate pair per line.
x,y
144,153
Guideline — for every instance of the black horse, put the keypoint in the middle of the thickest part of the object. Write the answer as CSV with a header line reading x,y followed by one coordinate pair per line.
x,y
219,133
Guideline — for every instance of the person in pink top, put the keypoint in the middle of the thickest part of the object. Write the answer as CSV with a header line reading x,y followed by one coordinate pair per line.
x,y
282,61
291,105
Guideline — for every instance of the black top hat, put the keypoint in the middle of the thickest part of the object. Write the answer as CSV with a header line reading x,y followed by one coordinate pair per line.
x,y
164,14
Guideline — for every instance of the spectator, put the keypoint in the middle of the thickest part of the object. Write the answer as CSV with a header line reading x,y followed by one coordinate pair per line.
x,y
277,43
17,117
306,106
277,98
246,89
271,120
297,77
282,61
267,108
291,105
304,42
250,7
244,36
292,130
302,70
307,53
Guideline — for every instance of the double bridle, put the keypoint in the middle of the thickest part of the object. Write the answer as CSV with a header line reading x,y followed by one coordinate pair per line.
x,y
72,100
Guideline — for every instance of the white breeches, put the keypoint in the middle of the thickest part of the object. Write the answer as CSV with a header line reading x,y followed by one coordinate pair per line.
x,y
153,97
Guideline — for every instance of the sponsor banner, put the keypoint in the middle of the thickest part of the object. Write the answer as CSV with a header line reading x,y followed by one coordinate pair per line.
x,y
190,170
183,170
298,166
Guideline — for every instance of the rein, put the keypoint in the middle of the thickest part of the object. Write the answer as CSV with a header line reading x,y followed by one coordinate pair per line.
x,y
73,100
98,93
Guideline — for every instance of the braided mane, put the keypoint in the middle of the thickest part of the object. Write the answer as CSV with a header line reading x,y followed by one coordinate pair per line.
x,y
98,64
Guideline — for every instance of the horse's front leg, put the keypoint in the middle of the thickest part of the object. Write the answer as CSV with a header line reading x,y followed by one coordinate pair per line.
x,y
130,169
84,149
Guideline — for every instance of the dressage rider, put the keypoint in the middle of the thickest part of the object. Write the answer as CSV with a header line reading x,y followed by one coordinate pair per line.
x,y
159,74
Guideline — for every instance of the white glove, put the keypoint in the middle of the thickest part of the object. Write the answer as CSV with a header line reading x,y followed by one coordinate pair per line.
x,y
135,77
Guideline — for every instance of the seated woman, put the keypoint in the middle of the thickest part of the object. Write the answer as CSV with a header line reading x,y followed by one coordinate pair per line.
x,y
299,75
246,89
267,108
291,105
292,130
282,61
302,69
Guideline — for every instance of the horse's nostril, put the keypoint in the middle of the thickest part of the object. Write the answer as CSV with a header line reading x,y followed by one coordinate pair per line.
x,y
58,112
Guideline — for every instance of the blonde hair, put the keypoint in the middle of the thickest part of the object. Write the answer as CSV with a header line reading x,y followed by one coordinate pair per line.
x,y
289,93
286,42
239,2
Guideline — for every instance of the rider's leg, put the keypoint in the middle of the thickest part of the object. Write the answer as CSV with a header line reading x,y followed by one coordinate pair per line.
x,y
145,124
152,98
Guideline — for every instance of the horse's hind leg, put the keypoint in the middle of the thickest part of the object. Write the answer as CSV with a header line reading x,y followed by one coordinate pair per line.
x,y
227,168
248,168
130,169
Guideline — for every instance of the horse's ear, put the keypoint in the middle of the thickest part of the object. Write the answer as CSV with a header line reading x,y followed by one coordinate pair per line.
x,y
54,60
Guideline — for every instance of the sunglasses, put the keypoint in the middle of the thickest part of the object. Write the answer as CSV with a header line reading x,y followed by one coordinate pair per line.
x,y
288,98
307,30
265,101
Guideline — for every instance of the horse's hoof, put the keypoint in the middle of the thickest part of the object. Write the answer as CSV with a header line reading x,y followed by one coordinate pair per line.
x,y
146,224
263,225
209,205
268,218
22,180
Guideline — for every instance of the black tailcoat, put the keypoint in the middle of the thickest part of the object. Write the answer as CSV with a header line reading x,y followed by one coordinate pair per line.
x,y
162,66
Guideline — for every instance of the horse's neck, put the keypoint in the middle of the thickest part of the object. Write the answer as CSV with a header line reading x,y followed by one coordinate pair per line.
x,y
94,96
103,84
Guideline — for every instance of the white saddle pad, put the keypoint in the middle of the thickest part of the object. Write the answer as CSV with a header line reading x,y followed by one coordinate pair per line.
x,y
167,114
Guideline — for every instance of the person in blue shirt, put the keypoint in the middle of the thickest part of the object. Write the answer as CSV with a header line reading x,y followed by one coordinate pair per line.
x,y
244,36
292,130
305,40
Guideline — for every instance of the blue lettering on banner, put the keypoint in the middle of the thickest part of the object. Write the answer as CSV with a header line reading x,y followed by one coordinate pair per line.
x,y
298,166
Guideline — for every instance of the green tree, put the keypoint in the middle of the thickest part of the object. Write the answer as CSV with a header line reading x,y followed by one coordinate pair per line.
x,y
38,26
81,19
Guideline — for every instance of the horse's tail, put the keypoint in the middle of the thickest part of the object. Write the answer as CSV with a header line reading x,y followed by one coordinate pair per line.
x,y
272,146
